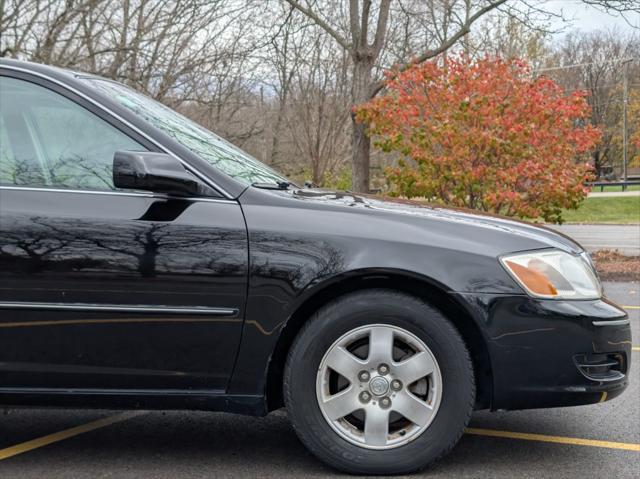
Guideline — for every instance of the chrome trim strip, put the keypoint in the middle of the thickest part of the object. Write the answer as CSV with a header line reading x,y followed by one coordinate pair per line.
x,y
615,322
115,392
63,190
119,308
119,193
200,175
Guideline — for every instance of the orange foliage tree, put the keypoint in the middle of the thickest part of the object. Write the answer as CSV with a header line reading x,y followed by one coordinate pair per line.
x,y
484,134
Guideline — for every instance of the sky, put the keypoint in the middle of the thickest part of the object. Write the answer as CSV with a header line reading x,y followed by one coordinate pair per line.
x,y
588,18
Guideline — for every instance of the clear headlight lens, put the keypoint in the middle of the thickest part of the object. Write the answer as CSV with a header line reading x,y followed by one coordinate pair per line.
x,y
553,274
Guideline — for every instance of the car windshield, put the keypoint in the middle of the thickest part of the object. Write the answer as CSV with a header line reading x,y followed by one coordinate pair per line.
x,y
209,146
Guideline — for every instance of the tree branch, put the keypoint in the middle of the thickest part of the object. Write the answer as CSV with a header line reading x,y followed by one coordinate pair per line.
x,y
321,23
353,22
466,27
381,28
621,7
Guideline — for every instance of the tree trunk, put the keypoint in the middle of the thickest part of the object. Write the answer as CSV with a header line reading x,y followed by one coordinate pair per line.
x,y
597,166
361,145
360,141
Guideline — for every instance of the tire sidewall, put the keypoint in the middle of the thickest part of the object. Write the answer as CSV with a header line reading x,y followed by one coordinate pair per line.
x,y
406,312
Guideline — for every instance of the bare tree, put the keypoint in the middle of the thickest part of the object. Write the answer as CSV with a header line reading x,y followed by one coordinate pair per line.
x,y
317,118
286,55
505,36
165,48
39,27
595,62
627,9
364,38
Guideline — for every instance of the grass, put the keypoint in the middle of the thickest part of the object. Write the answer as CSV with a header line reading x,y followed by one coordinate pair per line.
x,y
615,210
615,189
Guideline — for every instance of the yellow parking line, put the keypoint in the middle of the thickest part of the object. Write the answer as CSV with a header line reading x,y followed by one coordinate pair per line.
x,y
555,439
107,421
62,435
631,307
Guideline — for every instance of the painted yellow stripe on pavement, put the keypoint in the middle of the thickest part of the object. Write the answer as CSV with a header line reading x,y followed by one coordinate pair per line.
x,y
635,348
631,307
554,439
66,434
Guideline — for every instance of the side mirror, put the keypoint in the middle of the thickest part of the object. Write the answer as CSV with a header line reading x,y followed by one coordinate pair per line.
x,y
157,172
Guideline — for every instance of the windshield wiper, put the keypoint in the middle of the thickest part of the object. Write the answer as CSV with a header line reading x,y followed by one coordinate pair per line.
x,y
276,185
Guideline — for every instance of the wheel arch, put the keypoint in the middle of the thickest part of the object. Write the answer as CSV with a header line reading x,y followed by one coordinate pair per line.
x,y
422,287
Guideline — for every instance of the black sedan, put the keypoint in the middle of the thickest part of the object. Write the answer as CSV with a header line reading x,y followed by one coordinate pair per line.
x,y
147,263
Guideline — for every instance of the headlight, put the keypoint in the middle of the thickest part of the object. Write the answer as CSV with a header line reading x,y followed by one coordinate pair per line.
x,y
553,274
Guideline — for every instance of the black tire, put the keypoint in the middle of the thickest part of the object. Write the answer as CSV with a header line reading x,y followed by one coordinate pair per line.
x,y
376,307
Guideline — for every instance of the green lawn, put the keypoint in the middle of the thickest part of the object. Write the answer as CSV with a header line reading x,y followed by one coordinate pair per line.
x,y
606,210
613,189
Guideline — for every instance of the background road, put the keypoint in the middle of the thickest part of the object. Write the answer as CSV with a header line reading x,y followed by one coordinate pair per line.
x,y
613,194
625,238
198,445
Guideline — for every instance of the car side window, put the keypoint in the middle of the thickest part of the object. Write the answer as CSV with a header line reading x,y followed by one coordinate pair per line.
x,y
47,140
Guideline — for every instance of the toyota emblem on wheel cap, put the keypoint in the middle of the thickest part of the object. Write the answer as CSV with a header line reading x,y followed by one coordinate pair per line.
x,y
379,386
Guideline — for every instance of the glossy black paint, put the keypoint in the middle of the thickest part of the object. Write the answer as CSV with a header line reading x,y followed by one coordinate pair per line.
x,y
306,242
223,285
532,345
76,249
155,172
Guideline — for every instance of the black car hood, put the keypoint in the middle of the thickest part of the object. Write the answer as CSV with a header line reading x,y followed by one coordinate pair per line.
x,y
384,205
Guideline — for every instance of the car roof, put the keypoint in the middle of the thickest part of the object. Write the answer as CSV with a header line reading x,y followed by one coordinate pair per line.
x,y
48,70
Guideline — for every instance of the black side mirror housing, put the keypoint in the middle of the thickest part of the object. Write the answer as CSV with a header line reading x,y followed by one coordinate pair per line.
x,y
157,172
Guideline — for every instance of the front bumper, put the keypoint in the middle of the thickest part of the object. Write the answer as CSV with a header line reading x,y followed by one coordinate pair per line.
x,y
547,353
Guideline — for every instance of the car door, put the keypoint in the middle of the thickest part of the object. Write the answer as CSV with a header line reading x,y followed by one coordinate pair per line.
x,y
99,287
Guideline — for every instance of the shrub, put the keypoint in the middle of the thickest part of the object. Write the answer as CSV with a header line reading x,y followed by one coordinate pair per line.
x,y
484,134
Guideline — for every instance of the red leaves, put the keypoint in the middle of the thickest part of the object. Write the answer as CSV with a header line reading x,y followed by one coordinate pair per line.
x,y
484,134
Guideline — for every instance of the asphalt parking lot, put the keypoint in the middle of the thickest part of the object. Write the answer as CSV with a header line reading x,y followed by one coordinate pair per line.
x,y
624,238
602,440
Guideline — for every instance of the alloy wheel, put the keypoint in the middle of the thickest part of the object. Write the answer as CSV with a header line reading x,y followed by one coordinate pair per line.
x,y
379,386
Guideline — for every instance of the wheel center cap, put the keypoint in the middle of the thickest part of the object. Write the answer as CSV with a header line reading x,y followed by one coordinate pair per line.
x,y
379,386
